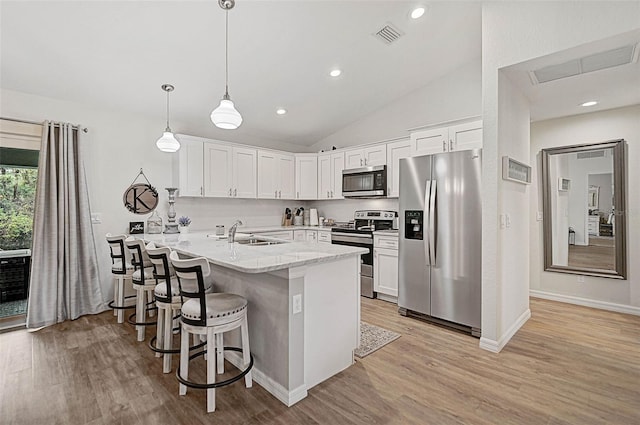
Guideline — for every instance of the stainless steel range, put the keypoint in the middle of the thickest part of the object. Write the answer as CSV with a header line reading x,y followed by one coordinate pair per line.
x,y
360,234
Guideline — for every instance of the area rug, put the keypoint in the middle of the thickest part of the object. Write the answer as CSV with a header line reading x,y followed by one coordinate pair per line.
x,y
373,338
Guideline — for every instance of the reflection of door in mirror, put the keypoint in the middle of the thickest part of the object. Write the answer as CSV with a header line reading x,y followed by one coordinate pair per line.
x,y
579,222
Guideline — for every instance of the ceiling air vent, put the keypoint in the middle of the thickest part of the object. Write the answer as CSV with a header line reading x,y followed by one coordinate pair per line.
x,y
591,154
388,34
603,60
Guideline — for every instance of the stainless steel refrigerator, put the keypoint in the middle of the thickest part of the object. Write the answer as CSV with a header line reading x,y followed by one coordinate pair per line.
x,y
440,264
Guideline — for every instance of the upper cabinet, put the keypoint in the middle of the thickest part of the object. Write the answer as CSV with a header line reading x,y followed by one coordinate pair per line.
x,y
330,166
447,139
366,156
395,152
229,171
306,176
188,166
276,175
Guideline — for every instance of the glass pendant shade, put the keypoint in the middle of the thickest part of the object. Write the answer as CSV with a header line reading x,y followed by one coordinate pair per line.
x,y
168,142
226,116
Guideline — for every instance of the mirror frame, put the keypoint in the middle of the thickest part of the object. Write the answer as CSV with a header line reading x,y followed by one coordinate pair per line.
x,y
619,181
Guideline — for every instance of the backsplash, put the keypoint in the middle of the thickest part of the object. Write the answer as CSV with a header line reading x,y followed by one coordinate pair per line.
x,y
343,209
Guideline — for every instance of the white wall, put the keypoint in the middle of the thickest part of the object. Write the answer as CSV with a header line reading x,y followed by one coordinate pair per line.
x,y
514,32
622,123
453,96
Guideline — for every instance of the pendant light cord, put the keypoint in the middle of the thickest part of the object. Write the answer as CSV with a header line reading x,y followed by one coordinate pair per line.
x,y
226,53
168,128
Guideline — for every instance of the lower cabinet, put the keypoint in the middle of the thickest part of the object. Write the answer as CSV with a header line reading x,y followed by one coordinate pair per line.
x,y
385,265
324,236
286,235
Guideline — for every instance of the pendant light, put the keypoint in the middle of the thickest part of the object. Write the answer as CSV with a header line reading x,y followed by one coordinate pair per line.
x,y
226,116
168,142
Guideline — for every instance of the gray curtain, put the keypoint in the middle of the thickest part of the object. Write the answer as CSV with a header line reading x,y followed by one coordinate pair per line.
x,y
64,269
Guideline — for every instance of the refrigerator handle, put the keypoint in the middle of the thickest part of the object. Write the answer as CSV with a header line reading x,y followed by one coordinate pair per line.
x,y
432,223
427,194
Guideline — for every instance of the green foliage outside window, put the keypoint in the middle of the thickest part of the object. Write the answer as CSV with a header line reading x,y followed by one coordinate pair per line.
x,y
17,201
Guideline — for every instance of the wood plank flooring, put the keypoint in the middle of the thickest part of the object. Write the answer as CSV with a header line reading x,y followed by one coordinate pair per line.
x,y
568,365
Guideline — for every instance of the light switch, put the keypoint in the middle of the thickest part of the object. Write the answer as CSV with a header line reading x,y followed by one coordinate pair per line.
x,y
96,218
539,216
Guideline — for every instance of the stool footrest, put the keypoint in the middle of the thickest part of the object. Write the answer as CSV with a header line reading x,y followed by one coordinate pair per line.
x,y
155,349
121,307
226,382
132,322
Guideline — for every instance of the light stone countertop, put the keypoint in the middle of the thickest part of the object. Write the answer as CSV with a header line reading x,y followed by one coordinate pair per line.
x,y
252,259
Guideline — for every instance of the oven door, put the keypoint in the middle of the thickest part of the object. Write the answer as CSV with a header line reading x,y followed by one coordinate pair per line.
x,y
366,260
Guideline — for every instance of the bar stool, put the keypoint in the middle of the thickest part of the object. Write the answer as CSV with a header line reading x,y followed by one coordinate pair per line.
x,y
168,301
144,283
122,271
211,315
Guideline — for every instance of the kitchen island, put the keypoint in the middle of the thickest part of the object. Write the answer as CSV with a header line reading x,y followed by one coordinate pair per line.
x,y
304,305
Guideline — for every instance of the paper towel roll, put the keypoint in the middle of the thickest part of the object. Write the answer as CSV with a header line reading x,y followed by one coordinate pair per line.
x,y
313,217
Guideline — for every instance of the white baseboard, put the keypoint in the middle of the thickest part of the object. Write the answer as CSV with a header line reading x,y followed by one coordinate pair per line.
x,y
497,346
289,398
388,298
602,305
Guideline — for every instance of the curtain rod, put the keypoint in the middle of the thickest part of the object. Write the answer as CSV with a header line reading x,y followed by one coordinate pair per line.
x,y
75,127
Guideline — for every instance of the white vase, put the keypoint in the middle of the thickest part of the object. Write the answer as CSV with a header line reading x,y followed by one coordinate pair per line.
x,y
184,229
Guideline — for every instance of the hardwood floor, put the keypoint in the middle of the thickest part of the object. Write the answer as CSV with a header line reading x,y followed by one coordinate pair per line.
x,y
567,365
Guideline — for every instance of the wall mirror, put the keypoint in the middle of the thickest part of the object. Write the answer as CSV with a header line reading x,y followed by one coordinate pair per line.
x,y
584,206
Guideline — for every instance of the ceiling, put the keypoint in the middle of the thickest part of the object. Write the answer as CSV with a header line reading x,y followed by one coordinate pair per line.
x,y
118,54
612,88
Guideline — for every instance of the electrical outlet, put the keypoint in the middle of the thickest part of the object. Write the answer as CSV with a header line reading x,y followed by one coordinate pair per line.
x,y
96,218
539,216
297,303
580,279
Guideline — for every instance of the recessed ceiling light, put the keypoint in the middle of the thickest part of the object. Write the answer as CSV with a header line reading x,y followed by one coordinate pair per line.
x,y
590,103
335,72
281,111
417,12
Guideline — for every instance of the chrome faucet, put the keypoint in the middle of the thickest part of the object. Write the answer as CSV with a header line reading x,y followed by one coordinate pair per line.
x,y
232,231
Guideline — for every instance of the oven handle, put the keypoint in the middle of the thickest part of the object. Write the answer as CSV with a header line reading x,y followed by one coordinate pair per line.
x,y
360,239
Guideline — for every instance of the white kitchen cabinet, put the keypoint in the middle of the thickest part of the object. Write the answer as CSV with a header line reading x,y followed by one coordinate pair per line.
x,y
324,236
229,172
366,157
447,139
190,167
276,175
300,235
330,166
395,152
311,236
385,264
306,176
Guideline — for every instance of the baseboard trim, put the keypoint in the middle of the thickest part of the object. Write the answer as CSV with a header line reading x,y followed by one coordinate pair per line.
x,y
497,346
289,398
602,305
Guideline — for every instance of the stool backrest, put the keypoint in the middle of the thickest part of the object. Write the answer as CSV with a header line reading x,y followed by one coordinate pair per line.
x,y
191,274
116,248
139,257
162,268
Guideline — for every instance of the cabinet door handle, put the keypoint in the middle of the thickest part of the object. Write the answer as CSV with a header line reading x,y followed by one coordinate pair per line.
x,y
276,195
201,191
280,194
451,145
235,192
332,193
444,146
360,161
328,194
365,161
229,191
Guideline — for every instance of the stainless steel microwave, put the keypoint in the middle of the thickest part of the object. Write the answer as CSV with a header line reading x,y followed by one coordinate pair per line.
x,y
366,182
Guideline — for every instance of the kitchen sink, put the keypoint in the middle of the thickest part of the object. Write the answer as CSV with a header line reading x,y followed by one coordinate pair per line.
x,y
259,242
